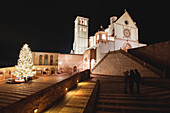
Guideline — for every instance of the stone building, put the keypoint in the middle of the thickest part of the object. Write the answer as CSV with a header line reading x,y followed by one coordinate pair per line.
x,y
122,33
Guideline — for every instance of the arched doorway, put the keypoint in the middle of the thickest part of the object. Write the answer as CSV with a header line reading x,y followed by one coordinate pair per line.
x,y
75,69
86,64
52,71
46,71
92,63
126,46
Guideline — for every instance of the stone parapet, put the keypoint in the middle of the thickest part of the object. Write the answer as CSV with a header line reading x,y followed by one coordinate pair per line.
x,y
42,99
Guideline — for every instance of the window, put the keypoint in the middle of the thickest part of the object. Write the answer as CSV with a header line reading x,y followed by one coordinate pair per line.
x,y
126,22
104,36
40,60
85,22
51,60
97,37
46,60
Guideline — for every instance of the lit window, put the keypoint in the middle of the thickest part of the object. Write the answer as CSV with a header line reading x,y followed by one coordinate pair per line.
x,y
97,37
80,21
104,37
85,22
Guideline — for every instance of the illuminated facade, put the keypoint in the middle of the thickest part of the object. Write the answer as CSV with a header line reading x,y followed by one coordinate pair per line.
x,y
122,33
80,35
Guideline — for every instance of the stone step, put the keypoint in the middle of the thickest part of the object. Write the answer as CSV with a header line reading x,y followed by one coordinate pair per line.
x,y
8,97
11,95
106,112
15,92
3,104
121,95
153,90
8,101
134,102
150,109
160,93
127,98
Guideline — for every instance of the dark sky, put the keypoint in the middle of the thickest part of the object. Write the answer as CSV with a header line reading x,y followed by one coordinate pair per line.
x,y
49,25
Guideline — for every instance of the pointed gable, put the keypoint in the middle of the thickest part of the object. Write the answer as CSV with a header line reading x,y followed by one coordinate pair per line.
x,y
126,19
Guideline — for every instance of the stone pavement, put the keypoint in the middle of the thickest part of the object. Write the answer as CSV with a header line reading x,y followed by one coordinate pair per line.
x,y
111,97
10,93
75,100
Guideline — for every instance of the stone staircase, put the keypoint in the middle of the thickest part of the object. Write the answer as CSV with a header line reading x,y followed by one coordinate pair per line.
x,y
111,97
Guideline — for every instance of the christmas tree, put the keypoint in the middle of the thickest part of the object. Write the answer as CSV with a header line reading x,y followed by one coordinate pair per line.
x,y
25,65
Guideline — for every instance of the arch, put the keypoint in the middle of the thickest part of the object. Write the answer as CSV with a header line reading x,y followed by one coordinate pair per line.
x,y
46,59
1,75
52,71
92,63
51,59
86,64
45,71
126,46
40,60
75,69
39,71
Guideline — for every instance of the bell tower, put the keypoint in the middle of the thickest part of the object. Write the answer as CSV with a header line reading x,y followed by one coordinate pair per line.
x,y
80,35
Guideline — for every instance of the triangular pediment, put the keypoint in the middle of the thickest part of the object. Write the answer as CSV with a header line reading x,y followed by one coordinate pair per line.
x,y
126,19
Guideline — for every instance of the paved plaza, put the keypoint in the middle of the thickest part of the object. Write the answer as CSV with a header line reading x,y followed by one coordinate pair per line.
x,y
10,93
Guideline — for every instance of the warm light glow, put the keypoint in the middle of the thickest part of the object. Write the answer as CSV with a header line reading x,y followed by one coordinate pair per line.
x,y
77,81
36,110
111,38
97,37
66,89
92,63
25,66
60,63
104,36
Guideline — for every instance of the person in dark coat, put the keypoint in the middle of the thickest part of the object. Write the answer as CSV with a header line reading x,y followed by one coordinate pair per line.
x,y
131,80
137,80
126,76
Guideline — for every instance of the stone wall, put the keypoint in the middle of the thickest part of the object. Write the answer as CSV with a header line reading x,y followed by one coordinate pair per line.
x,y
116,63
42,99
67,62
157,55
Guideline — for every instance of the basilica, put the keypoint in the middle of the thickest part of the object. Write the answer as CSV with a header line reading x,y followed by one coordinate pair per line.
x,y
121,34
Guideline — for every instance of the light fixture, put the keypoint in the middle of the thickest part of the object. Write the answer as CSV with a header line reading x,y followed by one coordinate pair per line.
x,y
36,110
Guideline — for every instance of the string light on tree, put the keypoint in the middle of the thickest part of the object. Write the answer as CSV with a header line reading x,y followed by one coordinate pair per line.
x,y
25,65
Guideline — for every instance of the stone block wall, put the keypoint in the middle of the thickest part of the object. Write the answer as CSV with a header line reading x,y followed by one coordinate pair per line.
x,y
45,97
157,55
116,63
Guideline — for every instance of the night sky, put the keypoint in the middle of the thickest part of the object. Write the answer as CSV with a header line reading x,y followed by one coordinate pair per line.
x,y
49,25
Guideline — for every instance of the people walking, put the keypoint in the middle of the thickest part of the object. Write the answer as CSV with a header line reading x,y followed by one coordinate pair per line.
x,y
126,75
131,81
137,80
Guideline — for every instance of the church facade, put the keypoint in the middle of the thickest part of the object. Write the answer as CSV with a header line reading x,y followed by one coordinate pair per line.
x,y
122,33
